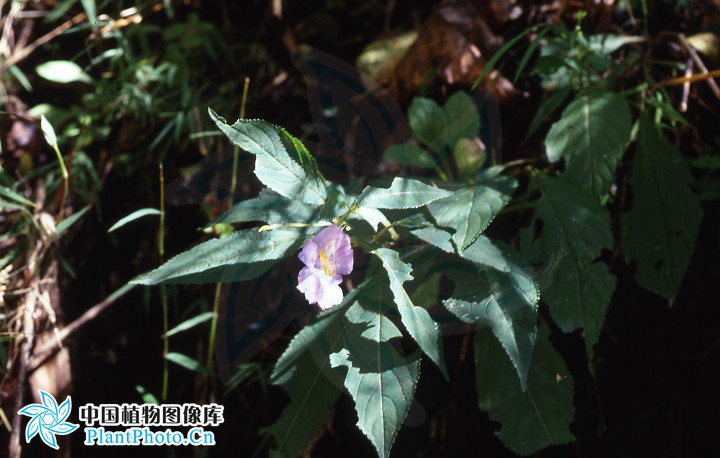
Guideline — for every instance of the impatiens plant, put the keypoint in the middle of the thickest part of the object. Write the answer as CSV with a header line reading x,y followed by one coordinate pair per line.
x,y
410,227
431,261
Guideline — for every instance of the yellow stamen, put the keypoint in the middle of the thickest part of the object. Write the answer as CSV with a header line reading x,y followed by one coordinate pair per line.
x,y
326,265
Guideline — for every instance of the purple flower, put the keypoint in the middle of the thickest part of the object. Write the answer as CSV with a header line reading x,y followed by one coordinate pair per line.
x,y
327,257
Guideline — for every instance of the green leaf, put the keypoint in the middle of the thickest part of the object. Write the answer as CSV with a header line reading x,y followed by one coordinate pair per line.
x,y
90,10
591,136
146,396
507,302
436,237
296,179
242,255
661,228
65,224
463,117
20,77
482,251
411,155
417,320
403,193
381,381
470,155
48,132
428,122
470,209
269,207
373,216
191,323
609,43
133,216
547,107
188,363
63,71
534,418
12,195
574,230
304,372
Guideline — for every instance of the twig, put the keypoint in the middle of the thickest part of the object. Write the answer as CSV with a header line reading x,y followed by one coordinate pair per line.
x,y
691,79
26,51
628,7
686,88
711,82
51,347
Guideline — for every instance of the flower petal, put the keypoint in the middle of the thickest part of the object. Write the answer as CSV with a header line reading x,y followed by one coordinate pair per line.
x,y
328,235
319,288
332,296
344,256
309,254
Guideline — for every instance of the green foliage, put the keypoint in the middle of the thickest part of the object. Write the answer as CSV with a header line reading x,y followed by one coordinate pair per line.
x,y
63,71
470,209
242,255
402,193
269,207
133,216
274,165
507,302
576,286
188,363
591,136
660,229
533,418
416,319
442,129
380,380
421,231
305,374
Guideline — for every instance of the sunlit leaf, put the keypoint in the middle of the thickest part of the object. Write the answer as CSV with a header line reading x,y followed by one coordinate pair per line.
x,y
190,323
242,255
269,207
470,209
137,214
63,71
402,193
381,381
416,319
295,178
507,302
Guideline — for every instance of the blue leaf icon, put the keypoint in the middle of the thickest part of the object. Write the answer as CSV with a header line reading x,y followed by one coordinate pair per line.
x,y
48,419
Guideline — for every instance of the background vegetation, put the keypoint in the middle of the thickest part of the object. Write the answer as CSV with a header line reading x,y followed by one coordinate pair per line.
x,y
126,86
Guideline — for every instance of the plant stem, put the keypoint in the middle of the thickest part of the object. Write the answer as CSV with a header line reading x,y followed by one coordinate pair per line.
x,y
163,291
233,187
65,178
